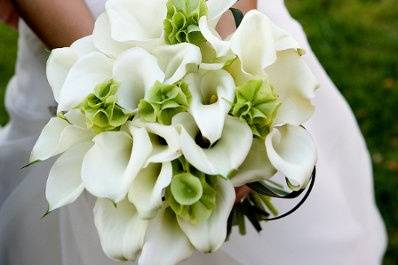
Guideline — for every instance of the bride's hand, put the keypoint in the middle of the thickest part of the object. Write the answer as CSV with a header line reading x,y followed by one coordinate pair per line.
x,y
58,23
227,25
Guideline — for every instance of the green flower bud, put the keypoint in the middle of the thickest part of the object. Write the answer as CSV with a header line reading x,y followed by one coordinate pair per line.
x,y
190,194
257,104
182,20
101,110
164,101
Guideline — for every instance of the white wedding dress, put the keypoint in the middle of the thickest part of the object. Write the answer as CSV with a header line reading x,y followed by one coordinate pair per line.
x,y
338,225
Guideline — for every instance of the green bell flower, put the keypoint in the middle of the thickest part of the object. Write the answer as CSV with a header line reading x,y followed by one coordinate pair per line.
x,y
190,194
257,104
101,110
164,101
182,20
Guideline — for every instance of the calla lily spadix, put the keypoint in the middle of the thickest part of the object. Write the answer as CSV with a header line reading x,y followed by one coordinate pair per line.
x,y
110,166
212,95
222,158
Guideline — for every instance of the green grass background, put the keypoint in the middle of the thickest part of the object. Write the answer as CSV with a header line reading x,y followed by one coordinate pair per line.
x,y
357,43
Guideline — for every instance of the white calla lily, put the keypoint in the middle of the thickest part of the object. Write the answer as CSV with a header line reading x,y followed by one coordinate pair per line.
x,y
103,40
136,71
225,156
220,46
164,140
147,189
208,236
253,43
255,167
61,61
165,243
88,71
212,96
130,20
295,90
110,166
120,229
56,137
177,60
64,183
292,151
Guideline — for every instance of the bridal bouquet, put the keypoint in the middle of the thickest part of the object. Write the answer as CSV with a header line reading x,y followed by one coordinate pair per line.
x,y
178,133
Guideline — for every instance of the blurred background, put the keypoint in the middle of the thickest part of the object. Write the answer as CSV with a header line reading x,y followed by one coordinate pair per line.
x,y
357,43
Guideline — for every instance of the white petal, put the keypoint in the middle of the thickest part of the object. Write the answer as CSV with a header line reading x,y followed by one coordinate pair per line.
x,y
136,70
295,85
120,230
58,65
64,183
217,8
253,43
110,166
161,152
226,155
89,71
178,60
147,189
284,41
165,243
256,166
136,20
57,136
220,46
208,236
292,151
76,118
210,117
103,40
84,46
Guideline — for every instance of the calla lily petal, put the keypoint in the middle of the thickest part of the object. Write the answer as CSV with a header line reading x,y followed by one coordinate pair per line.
x,y
130,20
110,166
295,90
147,189
210,34
165,243
56,137
284,41
89,71
102,38
64,184
120,229
217,86
136,70
292,151
161,152
217,8
76,118
208,236
256,166
253,43
61,61
178,60
225,156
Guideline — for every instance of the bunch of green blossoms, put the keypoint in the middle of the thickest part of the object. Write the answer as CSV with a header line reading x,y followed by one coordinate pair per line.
x,y
257,104
164,101
190,194
181,23
101,110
